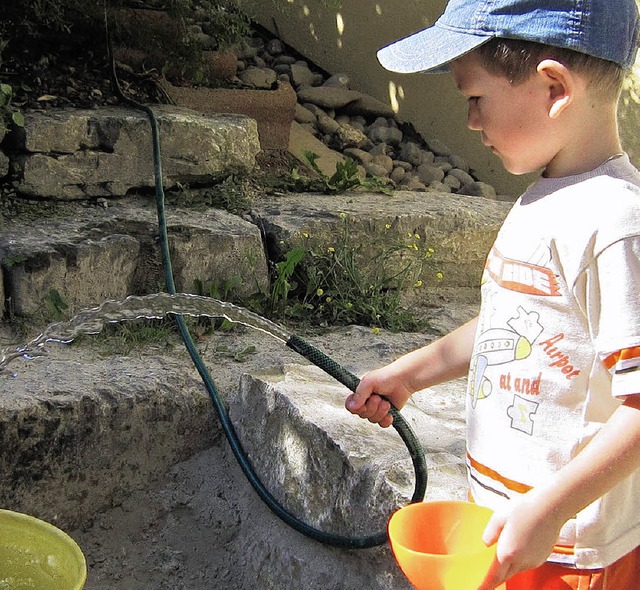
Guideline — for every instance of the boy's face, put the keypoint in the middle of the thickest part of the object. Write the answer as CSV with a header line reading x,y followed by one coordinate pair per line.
x,y
513,120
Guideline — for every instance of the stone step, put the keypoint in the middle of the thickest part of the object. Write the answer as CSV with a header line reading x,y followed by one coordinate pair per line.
x,y
81,154
111,253
442,239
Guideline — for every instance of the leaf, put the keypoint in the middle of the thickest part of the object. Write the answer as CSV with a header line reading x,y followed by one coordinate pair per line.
x,y
310,160
46,98
292,259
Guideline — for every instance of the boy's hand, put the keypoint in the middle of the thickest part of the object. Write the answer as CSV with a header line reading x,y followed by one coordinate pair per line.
x,y
367,402
526,534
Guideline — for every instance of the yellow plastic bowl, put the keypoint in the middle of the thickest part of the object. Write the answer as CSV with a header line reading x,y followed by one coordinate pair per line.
x,y
36,555
438,545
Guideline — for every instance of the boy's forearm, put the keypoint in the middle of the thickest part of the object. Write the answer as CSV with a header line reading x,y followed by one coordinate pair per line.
x,y
445,359
611,456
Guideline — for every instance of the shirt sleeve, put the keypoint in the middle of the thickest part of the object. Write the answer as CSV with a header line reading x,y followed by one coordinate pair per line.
x,y
613,312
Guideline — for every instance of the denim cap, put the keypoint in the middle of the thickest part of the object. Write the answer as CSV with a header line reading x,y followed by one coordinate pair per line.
x,y
607,29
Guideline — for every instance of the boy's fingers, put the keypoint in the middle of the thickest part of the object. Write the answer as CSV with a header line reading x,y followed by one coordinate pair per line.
x,y
379,409
492,530
357,399
354,402
386,421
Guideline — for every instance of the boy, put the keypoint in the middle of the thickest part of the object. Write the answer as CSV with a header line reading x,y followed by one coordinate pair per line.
x,y
553,359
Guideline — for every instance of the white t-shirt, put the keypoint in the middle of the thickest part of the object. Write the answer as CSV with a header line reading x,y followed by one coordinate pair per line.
x,y
558,343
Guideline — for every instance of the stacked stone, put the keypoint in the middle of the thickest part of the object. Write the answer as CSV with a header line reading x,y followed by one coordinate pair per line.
x,y
357,125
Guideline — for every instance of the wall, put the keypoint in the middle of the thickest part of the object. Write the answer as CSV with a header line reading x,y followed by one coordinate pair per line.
x,y
345,39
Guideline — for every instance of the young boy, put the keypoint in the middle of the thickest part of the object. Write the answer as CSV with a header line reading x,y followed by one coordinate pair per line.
x,y
553,359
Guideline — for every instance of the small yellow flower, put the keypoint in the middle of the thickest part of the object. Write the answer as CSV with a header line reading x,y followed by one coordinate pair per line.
x,y
348,305
418,284
319,292
376,331
409,234
439,276
387,226
431,250
328,299
414,246
416,236
305,234
343,215
331,249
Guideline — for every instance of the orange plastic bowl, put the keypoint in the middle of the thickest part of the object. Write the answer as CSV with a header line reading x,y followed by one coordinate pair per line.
x,y
438,545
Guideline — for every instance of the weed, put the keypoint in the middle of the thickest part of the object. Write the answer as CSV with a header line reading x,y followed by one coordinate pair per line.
x,y
56,304
284,284
125,337
353,280
10,261
231,193
222,291
239,355
9,115
346,177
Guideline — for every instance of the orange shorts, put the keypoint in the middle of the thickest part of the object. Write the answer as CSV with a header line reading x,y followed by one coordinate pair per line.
x,y
623,574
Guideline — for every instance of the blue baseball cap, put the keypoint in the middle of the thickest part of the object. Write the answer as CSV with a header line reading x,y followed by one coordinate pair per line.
x,y
607,29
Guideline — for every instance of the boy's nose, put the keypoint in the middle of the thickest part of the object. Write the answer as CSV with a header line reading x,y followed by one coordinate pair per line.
x,y
473,118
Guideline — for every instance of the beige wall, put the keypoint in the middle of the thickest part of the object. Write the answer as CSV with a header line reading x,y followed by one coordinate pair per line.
x,y
345,39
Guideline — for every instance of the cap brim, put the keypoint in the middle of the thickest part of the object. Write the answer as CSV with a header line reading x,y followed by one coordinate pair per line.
x,y
430,50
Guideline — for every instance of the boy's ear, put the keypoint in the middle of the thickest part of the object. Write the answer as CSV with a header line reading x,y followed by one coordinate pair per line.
x,y
560,83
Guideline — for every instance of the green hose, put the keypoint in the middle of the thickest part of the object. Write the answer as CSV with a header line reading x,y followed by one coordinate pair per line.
x,y
297,344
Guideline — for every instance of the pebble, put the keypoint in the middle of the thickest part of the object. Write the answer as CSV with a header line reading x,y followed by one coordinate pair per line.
x,y
301,75
304,115
478,189
261,78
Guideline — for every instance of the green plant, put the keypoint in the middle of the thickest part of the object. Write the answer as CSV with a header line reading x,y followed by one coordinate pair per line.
x,y
56,304
10,261
122,338
9,115
346,177
354,280
238,355
284,283
232,192
167,35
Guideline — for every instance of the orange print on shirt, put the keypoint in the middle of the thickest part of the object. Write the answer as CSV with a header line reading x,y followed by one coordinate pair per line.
x,y
522,277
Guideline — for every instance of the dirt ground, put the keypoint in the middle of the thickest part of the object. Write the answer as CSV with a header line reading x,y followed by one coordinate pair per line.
x,y
202,526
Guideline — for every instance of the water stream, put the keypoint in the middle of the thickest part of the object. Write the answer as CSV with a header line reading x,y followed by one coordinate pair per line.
x,y
154,306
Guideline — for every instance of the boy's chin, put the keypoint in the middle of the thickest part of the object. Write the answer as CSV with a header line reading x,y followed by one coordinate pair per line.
x,y
518,168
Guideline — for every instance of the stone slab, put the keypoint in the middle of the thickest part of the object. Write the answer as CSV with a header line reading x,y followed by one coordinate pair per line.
x,y
75,441
355,475
86,436
106,152
111,253
460,229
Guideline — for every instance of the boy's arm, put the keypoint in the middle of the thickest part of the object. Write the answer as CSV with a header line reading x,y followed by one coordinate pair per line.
x,y
528,530
442,360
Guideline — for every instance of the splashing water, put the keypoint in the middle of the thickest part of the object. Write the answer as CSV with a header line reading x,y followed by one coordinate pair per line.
x,y
155,306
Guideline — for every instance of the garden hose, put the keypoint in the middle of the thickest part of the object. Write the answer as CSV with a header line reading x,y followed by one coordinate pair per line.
x,y
296,343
